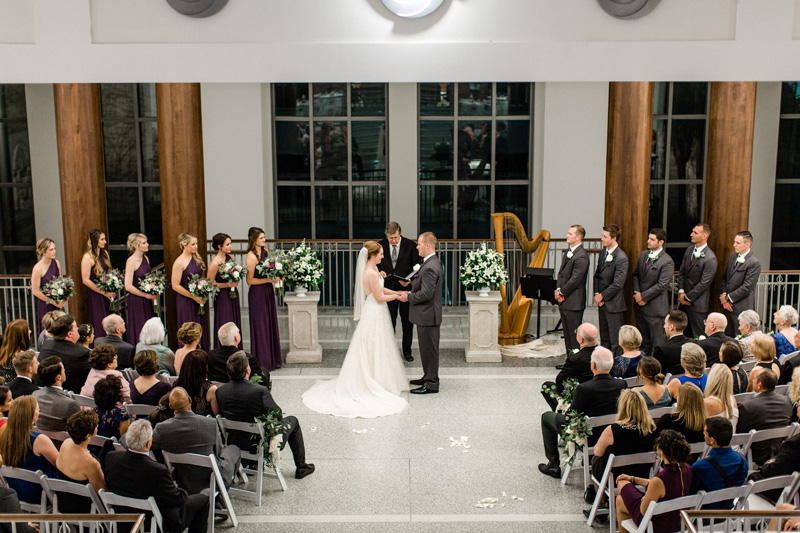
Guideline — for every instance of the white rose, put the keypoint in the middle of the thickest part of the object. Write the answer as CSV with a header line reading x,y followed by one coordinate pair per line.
x,y
60,292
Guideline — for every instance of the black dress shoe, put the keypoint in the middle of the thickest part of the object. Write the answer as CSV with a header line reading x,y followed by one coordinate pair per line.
x,y
551,470
303,470
559,367
408,357
423,390
417,382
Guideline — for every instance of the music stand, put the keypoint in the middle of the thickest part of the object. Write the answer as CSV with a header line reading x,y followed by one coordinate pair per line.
x,y
539,284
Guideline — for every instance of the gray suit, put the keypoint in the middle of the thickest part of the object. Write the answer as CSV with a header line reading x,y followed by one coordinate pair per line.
x,y
739,283
652,280
55,406
694,278
425,311
572,285
766,410
609,281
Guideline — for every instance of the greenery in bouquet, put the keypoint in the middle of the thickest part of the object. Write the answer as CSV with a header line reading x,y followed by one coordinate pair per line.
x,y
111,280
59,289
575,435
565,397
154,283
201,287
273,435
232,272
274,266
483,268
305,267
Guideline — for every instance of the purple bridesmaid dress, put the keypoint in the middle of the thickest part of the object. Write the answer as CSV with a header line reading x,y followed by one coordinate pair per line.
x,y
43,308
188,310
226,309
98,304
265,341
140,310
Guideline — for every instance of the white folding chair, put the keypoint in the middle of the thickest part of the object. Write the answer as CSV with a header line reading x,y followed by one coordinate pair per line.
x,y
35,478
84,401
765,435
784,483
129,374
658,412
56,436
743,396
111,500
633,382
787,356
135,410
688,503
782,389
737,494
59,486
748,367
588,451
741,441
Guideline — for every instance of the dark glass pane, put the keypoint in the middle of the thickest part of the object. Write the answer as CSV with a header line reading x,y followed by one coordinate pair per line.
x,y
790,97
511,149
119,256
369,211
18,262
12,100
656,219
147,100
152,215
436,210
784,258
119,151
684,212
331,213
369,150
15,153
687,146
330,99
788,149
660,98
676,253
149,140
117,100
511,199
474,149
291,146
122,205
436,99
368,99
155,255
689,98
474,212
330,144
475,99
294,212
435,150
784,214
513,99
658,160
16,216
291,99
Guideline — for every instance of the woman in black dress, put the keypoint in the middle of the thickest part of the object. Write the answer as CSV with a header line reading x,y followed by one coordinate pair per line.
x,y
689,416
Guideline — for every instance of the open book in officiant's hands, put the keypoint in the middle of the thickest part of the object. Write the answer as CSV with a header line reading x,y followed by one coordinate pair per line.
x,y
403,278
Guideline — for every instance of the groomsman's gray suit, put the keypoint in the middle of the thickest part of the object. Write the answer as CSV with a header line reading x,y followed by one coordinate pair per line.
x,y
55,406
425,311
609,281
652,279
694,278
572,285
739,283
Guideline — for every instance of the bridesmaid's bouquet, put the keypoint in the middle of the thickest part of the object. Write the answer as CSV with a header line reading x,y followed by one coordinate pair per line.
x,y
154,283
111,280
305,267
274,266
232,272
483,268
203,288
59,289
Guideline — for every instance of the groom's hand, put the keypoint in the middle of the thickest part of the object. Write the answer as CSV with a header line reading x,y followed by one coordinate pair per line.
x,y
402,296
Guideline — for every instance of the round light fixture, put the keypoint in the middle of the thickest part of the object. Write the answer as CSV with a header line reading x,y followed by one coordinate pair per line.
x,y
197,8
412,8
627,8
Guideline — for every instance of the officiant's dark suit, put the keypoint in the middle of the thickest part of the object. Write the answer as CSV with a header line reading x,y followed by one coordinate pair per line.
x,y
572,286
407,257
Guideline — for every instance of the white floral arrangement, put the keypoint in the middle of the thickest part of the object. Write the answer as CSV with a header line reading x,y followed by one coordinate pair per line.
x,y
232,272
305,267
203,288
59,289
154,283
274,266
111,280
483,268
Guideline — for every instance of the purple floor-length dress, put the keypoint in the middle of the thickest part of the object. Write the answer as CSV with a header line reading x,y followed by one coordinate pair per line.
x,y
43,308
98,304
140,310
265,341
226,309
187,309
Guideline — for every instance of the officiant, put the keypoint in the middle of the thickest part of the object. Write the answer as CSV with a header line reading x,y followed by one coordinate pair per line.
x,y
399,257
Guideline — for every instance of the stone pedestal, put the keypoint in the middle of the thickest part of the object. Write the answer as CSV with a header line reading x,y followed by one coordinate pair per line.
x,y
483,322
303,328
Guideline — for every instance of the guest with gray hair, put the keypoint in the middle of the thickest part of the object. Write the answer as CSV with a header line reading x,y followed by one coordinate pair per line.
x,y
715,324
577,364
749,326
151,338
785,318
230,338
114,327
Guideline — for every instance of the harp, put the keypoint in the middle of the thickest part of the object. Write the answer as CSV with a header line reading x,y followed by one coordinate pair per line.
x,y
514,317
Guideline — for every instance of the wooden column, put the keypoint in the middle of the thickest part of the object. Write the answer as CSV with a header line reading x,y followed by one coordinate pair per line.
x,y
731,119
82,176
183,205
630,131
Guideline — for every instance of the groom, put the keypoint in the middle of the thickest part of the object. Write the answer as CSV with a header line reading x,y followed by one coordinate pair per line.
x,y
425,310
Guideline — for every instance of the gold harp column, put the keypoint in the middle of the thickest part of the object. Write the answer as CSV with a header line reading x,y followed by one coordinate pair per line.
x,y
82,176
183,206
630,131
731,122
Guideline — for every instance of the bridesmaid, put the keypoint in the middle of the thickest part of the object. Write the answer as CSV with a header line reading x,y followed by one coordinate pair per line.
x,y
226,309
46,269
94,262
185,266
265,342
140,304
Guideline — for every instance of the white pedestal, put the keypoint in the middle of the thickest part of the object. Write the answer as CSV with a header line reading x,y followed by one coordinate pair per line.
x,y
483,322
303,328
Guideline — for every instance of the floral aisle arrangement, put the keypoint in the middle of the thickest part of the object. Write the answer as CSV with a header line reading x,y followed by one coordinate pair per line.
x,y
232,272
305,267
565,398
577,431
203,288
483,268
59,289
274,266
111,280
272,436
154,283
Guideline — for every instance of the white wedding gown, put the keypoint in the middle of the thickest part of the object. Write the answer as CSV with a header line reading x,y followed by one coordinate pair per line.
x,y
372,375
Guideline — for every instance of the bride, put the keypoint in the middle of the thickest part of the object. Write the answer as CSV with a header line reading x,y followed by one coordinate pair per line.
x,y
372,375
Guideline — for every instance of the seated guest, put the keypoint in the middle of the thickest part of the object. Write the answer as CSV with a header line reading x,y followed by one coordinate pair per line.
x,y
763,348
9,504
693,362
790,365
794,394
46,335
194,380
55,404
114,420
103,359
767,410
625,364
785,318
114,327
16,339
151,338
189,335
133,473
669,353
7,400
785,462
730,355
244,401
715,336
689,415
577,365
749,325
147,388
719,400
25,365
75,358
723,467
653,391
162,412
76,463
85,336
674,481
230,339
596,397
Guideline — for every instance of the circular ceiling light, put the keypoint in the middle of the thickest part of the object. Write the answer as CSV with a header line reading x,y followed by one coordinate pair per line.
x,y
412,8
627,8
197,8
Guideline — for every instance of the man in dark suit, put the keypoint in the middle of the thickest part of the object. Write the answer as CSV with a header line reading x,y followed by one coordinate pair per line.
x,y
697,271
651,278
133,473
399,257
571,291
9,504
786,462
609,281
669,353
55,404
766,410
578,365
114,327
596,397
230,339
738,287
244,401
787,371
74,357
25,365
715,335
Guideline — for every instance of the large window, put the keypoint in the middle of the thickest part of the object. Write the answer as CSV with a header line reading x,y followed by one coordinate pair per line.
x,y
678,165
17,228
474,156
130,152
330,160
785,240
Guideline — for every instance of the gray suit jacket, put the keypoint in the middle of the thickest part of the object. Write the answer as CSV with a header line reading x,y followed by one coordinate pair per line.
x,y
425,298
695,277
609,280
55,406
739,282
652,281
767,410
572,280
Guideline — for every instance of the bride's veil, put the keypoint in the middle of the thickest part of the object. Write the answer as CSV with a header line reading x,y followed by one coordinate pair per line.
x,y
358,291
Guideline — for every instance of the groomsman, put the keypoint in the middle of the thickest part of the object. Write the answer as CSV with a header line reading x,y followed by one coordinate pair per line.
x,y
399,257
651,277
571,291
697,271
609,280
738,287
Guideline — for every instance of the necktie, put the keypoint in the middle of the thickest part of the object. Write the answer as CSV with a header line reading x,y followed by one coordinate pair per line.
x,y
394,255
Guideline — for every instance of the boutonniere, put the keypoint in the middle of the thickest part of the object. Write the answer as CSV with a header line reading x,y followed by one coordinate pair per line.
x,y
740,259
699,254
569,254
610,257
574,351
652,256
739,337
700,338
417,267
